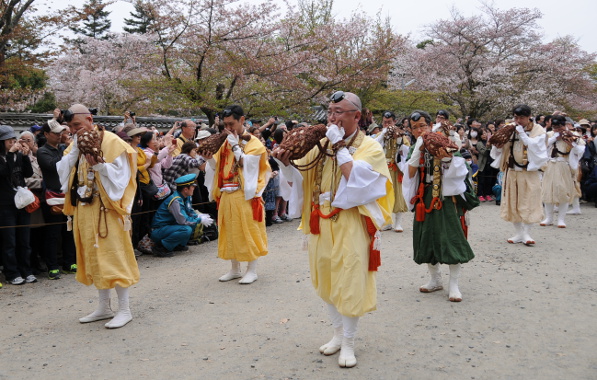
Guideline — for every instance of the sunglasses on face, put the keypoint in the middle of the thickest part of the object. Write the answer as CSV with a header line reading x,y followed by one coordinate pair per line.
x,y
339,96
68,115
416,116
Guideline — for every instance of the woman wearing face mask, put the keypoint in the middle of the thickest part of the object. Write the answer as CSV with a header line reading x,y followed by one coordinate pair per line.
x,y
473,137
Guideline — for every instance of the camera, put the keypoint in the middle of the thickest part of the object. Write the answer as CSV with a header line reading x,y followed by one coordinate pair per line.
x,y
132,113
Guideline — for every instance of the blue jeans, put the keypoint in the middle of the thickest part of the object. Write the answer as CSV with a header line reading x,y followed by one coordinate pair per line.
x,y
16,251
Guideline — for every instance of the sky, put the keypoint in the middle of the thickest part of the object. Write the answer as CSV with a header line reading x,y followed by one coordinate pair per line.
x,y
560,18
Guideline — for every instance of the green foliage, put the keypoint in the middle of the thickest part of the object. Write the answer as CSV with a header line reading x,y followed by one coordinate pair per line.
x,y
141,19
46,104
423,44
403,103
24,77
95,19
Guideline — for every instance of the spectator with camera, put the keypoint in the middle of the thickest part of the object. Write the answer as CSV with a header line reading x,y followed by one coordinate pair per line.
x,y
14,168
56,231
34,184
187,134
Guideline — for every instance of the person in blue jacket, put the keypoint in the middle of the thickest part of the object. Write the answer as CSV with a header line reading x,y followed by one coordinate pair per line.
x,y
175,220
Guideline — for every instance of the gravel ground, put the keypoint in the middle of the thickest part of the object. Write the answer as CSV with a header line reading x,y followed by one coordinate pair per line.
x,y
527,313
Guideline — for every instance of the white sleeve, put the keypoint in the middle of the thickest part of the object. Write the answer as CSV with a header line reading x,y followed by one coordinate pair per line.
x,y
536,152
379,137
292,193
409,188
364,185
576,154
454,176
65,165
115,176
251,175
496,154
210,175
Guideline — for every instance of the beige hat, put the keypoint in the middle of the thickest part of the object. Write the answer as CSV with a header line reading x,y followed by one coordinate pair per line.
x,y
584,122
132,131
55,126
372,126
202,135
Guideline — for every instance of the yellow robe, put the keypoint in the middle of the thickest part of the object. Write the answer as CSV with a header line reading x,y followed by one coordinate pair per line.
x,y
395,173
110,261
241,237
339,255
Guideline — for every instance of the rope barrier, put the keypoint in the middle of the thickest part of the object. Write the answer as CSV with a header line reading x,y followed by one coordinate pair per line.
x,y
57,223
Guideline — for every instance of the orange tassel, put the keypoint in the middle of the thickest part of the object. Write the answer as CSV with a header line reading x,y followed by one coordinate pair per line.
x,y
314,220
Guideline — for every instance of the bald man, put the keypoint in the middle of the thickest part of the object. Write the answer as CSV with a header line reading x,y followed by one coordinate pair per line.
x,y
99,194
187,133
355,198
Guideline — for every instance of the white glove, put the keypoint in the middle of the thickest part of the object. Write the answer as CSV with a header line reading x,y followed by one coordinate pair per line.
x,y
343,156
75,149
553,138
335,133
416,156
232,140
212,163
523,135
206,220
238,153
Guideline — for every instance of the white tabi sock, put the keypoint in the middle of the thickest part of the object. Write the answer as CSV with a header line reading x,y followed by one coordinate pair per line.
x,y
103,310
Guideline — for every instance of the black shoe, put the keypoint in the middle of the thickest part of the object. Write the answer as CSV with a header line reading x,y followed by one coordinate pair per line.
x,y
181,248
160,251
497,203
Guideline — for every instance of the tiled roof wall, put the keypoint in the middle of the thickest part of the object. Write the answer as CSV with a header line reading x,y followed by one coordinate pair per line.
x,y
23,121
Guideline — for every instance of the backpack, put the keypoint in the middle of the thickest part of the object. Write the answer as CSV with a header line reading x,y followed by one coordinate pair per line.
x,y
203,234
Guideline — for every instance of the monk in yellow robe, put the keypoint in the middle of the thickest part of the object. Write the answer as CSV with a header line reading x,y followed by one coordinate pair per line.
x,y
236,177
99,193
344,200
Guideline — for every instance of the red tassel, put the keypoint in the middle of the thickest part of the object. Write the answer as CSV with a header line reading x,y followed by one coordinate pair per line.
x,y
374,254
374,260
257,209
464,226
314,220
420,211
400,177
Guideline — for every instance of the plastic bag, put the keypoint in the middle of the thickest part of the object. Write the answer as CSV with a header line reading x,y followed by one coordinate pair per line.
x,y
24,197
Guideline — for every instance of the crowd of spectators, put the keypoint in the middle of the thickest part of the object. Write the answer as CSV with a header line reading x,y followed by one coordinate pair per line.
x,y
38,242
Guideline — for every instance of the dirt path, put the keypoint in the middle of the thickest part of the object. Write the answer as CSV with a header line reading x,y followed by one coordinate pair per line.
x,y
528,313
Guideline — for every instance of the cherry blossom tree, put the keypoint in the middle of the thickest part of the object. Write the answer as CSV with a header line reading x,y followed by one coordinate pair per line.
x,y
483,65
217,52
107,74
